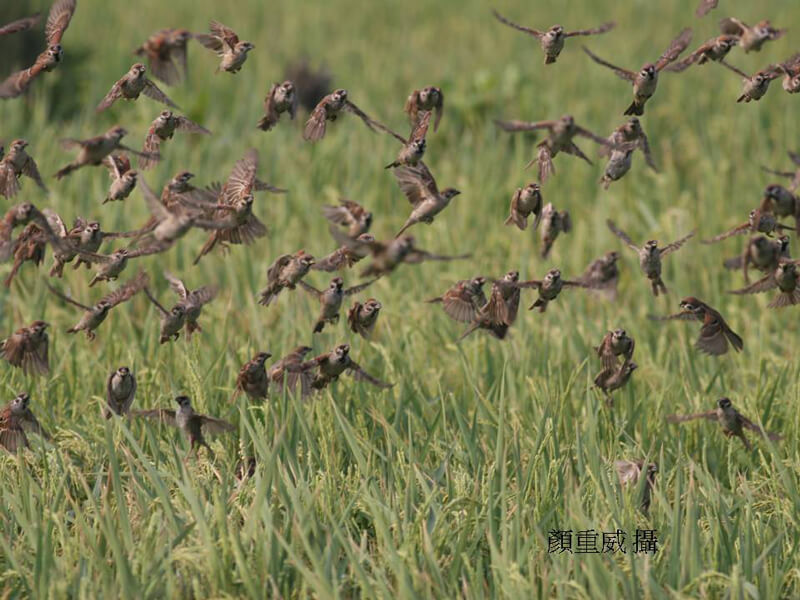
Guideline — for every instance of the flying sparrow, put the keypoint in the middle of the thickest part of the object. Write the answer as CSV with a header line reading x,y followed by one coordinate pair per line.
x,y
192,301
750,38
166,54
618,165
615,343
172,321
178,193
786,278
713,50
330,365
123,178
252,379
27,349
419,186
791,74
362,317
95,315
525,202
84,237
20,24
14,165
23,214
733,423
629,136
602,275
611,379
414,147
552,40
286,371
15,419
280,98
715,334
330,299
193,425
345,256
463,300
763,253
500,312
425,100
630,473
650,256
130,85
285,272
554,222
756,86
224,41
120,392
387,256
549,288
705,7
94,150
162,129
350,215
29,246
111,266
758,221
329,109
793,175
646,80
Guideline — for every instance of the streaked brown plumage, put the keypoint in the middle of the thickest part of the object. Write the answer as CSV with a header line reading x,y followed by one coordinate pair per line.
x,y
610,380
192,301
331,298
462,301
163,128
123,178
630,473
252,378
226,43
284,273
387,256
131,85
362,317
425,100
785,277
525,202
165,51
329,109
28,349
615,343
94,150
321,371
120,392
16,419
16,163
281,98
715,333
498,314
751,39
754,86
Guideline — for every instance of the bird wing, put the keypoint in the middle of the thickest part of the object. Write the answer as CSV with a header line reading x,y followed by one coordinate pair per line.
x,y
622,235
674,49
736,70
151,90
705,7
515,125
67,298
114,94
310,289
128,290
164,415
214,426
58,20
711,415
357,288
360,374
732,26
154,204
20,25
15,84
670,248
274,270
608,26
177,286
242,178
417,183
623,73
534,32
225,33
762,285
189,126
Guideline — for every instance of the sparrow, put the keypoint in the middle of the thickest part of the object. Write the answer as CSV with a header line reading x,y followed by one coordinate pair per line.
x,y
750,38
705,7
330,365
130,85
172,321
785,277
525,202
713,50
414,147
782,202
759,221
425,100
224,41
285,272
286,371
350,215
552,40
193,425
610,380
15,420
387,256
791,74
463,300
561,131
650,256
630,472
763,253
112,265
553,223
618,165
23,214
192,301
84,237
733,423
498,314
329,109
793,175
178,193
165,51
615,343
715,334
345,256
29,246
362,317
602,275
419,186
57,22
252,379
756,86
627,137
27,349
281,98
646,80
549,288
95,315
120,392
330,299
20,24
123,178
94,150
14,165
162,129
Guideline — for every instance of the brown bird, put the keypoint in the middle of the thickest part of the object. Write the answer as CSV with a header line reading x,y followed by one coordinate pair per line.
x,y
15,420
329,109
179,193
754,86
705,7
793,175
14,165
224,41
750,38
419,186
463,300
630,473
20,24
192,301
602,275
414,147
23,214
715,334
130,85
123,178
761,252
498,314
629,136
362,317
281,98
345,256
330,365
387,256
552,40
29,246
252,379
525,202
331,299
111,266
549,288
94,150
791,74
162,129
782,202
27,349
172,320
120,392
713,50
554,223
786,278
616,343
84,237
733,423
759,221
286,371
610,380
351,216
285,272
165,51
425,100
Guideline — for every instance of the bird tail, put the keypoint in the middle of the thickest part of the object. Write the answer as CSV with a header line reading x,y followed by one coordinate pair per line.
x,y
269,294
785,299
521,222
549,60
319,326
207,247
635,109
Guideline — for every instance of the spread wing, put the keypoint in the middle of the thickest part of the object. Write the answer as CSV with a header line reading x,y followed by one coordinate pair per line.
x,y
310,289
154,204
15,84
608,26
20,25
670,248
753,427
762,285
360,374
523,125
711,415
417,183
214,426
358,288
58,20
114,94
65,298
177,286
732,26
712,338
315,126
225,33
352,108
151,90
242,178
534,32
189,126
705,7
736,70
674,49
274,270
163,415
623,73
128,290
622,235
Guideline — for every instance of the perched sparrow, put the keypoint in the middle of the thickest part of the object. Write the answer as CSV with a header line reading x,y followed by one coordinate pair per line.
x,y
387,256
224,41
350,215
733,423
791,74
610,380
602,275
57,21
793,175
619,163
15,419
761,252
193,425
27,349
759,221
281,98
330,299
95,315
29,246
162,129
715,332
750,38
94,150
525,202
615,343
783,203
20,24
286,371
419,186
500,312
630,472
192,301
705,7
425,100
111,266
786,278
14,165
172,321
650,256
554,222
252,379
285,272
561,132
713,50
549,288
166,54
756,86
123,178
120,392
330,365
130,85
463,300
627,137
329,109
345,256
552,40
414,147
362,317
646,80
